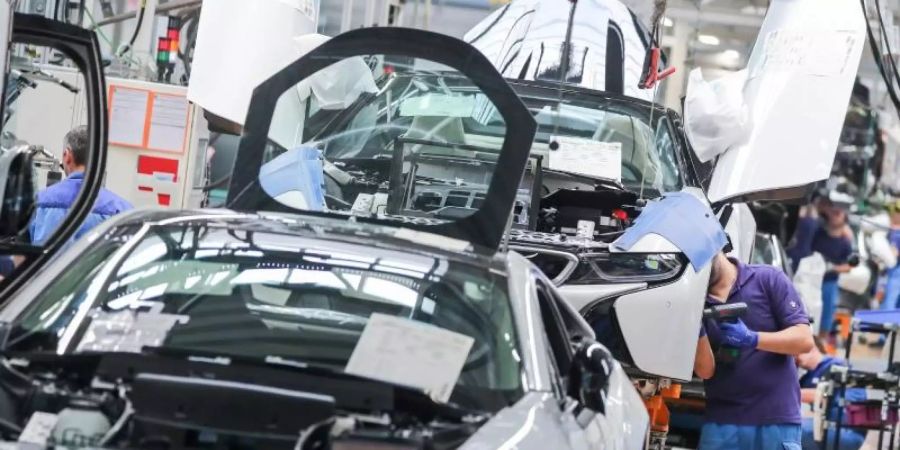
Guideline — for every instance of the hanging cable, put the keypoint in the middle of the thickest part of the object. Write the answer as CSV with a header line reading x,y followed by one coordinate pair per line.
x,y
876,52
137,29
887,42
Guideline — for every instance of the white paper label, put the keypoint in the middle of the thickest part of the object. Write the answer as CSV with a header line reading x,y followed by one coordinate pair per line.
x,y
410,353
439,105
127,331
811,52
588,157
39,428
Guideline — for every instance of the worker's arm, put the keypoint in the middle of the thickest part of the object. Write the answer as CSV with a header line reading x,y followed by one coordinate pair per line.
x,y
704,361
807,395
842,268
792,340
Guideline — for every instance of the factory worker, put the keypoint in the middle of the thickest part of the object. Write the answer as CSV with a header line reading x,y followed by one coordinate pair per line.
x,y
53,203
750,377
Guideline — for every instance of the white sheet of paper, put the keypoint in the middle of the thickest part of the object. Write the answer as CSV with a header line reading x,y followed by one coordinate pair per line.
x,y
39,428
168,122
588,157
411,353
439,105
822,54
127,331
127,116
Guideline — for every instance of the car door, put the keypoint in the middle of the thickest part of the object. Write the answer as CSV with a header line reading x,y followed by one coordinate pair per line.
x,y
422,165
55,80
801,75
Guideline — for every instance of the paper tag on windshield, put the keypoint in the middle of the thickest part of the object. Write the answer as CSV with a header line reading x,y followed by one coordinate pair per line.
x,y
587,157
127,331
410,353
39,428
438,105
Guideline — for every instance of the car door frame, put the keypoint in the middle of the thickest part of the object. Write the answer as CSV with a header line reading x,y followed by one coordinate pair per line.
x,y
486,226
82,47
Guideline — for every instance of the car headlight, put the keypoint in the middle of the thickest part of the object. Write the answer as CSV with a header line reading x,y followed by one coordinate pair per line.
x,y
598,268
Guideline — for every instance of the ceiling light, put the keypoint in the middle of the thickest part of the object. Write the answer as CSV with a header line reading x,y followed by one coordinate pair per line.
x,y
667,22
731,54
708,39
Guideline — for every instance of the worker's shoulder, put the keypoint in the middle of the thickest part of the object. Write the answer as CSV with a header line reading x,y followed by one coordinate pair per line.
x,y
767,272
60,194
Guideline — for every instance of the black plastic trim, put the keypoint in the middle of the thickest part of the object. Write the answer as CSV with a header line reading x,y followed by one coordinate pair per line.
x,y
83,48
485,227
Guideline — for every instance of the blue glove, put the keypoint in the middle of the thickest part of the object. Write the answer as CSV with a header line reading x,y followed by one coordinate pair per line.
x,y
738,335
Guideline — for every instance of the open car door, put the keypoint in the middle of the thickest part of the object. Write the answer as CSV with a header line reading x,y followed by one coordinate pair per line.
x,y
30,155
800,77
393,126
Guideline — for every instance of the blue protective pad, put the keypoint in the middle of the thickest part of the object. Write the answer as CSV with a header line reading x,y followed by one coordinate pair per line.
x,y
877,317
299,169
685,221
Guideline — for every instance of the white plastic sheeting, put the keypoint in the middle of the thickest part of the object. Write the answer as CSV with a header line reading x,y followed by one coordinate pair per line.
x,y
808,282
715,115
240,44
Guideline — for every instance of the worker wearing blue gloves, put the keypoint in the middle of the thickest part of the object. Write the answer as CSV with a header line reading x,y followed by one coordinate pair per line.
x,y
750,377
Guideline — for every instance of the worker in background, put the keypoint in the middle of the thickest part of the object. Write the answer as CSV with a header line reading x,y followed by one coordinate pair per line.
x,y
750,377
833,239
53,203
817,364
892,287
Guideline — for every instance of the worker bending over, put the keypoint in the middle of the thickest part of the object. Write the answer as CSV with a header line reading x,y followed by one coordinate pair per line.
x,y
750,377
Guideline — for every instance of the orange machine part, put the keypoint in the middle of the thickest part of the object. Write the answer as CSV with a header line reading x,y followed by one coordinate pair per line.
x,y
659,413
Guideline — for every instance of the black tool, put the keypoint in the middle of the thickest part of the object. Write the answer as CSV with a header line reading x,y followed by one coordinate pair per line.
x,y
726,355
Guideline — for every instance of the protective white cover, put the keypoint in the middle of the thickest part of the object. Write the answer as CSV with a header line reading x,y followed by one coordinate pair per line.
x,y
856,280
880,249
808,282
241,43
532,32
741,228
800,76
715,115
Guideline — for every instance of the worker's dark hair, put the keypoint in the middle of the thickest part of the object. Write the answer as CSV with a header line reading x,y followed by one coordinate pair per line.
x,y
76,141
820,345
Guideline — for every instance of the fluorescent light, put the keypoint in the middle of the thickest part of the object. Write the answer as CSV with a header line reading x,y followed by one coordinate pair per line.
x,y
667,22
731,54
708,39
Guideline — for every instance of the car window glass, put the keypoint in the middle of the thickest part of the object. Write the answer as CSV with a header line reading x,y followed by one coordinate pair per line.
x,y
258,294
383,135
553,325
45,100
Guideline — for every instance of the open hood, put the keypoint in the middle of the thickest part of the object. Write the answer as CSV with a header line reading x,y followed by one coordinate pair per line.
x,y
417,129
800,78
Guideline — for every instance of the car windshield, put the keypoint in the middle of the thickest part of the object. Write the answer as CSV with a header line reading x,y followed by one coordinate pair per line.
x,y
603,138
228,291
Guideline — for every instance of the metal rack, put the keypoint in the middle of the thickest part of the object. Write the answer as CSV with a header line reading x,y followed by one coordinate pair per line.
x,y
886,323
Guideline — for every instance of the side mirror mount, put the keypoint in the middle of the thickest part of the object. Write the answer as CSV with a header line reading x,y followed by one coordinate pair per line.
x,y
17,190
592,368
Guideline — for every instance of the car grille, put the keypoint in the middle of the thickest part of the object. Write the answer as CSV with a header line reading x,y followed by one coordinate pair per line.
x,y
555,264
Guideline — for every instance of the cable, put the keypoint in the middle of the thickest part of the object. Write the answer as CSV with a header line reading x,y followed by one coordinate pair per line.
x,y
887,41
137,29
875,53
96,28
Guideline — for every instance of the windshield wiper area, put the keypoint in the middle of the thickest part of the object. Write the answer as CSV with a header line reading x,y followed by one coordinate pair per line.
x,y
349,392
598,181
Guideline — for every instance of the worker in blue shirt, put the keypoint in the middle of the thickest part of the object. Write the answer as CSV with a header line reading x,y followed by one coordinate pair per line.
x,y
892,287
817,364
752,389
53,203
832,238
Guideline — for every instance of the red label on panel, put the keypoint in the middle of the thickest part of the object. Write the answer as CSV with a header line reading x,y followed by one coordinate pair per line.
x,y
151,165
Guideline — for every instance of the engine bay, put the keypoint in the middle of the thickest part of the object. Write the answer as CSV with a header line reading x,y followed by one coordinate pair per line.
x,y
163,401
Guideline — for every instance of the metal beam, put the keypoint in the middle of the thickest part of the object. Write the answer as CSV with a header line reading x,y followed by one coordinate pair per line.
x,y
160,9
695,16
